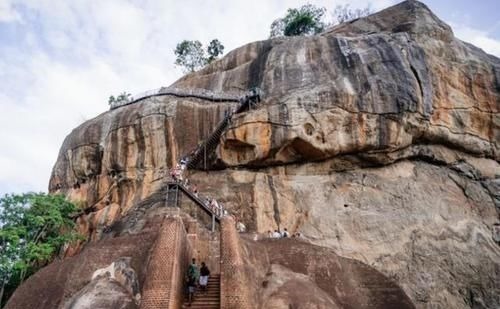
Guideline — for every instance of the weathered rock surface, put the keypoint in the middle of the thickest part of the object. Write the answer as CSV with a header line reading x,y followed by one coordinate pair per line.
x,y
292,273
69,283
428,227
378,139
382,85
114,161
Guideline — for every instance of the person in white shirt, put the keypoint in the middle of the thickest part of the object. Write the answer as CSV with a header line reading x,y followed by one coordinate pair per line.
x,y
240,227
178,172
183,164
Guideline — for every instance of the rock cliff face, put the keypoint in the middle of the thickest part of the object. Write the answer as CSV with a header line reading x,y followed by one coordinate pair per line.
x,y
378,138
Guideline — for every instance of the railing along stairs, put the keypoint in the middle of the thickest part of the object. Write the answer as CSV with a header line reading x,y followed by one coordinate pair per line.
x,y
199,93
210,144
174,188
206,148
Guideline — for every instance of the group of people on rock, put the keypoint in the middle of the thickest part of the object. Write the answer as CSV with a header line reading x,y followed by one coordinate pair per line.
x,y
281,234
196,277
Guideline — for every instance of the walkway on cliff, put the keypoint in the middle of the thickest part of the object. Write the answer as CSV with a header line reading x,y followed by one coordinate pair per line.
x,y
211,298
246,102
182,93
204,150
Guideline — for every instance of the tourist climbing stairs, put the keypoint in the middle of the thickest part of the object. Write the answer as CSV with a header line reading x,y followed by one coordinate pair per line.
x,y
210,299
173,198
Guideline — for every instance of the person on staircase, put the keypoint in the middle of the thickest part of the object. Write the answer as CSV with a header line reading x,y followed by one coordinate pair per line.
x,y
215,206
204,273
183,164
173,174
285,233
192,279
191,282
178,172
195,190
240,227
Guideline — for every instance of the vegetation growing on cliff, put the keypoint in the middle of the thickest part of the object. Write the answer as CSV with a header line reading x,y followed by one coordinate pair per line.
x,y
310,19
122,97
33,228
306,20
190,55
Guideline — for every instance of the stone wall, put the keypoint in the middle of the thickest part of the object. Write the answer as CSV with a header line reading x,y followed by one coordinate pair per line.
x,y
168,264
234,279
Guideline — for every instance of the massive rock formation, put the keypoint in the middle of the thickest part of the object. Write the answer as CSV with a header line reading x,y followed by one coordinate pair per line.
x,y
378,138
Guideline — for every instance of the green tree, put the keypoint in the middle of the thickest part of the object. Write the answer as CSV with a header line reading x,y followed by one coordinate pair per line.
x,y
121,98
342,14
33,228
191,56
214,49
306,20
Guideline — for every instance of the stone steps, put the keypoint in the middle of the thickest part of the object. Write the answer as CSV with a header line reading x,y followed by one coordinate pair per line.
x,y
209,299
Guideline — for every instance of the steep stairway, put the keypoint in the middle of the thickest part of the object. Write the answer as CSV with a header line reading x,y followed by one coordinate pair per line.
x,y
174,188
198,159
209,145
209,299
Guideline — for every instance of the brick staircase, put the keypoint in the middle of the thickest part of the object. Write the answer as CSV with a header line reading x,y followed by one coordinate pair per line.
x,y
209,299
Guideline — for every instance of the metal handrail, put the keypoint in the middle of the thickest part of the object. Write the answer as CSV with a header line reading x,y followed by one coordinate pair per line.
x,y
181,92
197,199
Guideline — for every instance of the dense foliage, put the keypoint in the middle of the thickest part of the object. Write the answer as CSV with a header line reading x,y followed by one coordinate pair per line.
x,y
305,20
33,228
309,19
121,98
191,56
214,49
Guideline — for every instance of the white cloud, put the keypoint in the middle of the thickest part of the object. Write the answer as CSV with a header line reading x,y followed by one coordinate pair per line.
x,y
477,37
67,57
7,12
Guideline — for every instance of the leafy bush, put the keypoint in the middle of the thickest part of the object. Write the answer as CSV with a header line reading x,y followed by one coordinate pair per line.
x,y
305,20
309,19
33,228
121,98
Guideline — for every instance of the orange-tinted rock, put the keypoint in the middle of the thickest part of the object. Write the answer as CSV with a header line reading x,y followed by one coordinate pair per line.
x,y
335,151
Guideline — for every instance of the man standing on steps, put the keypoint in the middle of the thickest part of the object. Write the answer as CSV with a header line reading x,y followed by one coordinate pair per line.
x,y
192,278
191,282
204,273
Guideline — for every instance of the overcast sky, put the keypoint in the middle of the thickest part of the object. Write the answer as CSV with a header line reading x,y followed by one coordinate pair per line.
x,y
61,59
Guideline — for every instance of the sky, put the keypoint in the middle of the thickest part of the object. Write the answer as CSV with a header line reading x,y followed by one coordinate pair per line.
x,y
60,60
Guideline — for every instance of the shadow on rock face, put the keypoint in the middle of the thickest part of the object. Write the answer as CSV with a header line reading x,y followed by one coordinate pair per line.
x,y
290,273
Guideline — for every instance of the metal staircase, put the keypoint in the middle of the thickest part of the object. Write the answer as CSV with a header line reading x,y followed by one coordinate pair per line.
x,y
210,144
174,191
